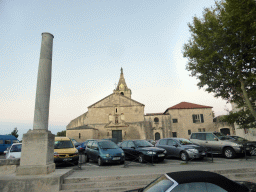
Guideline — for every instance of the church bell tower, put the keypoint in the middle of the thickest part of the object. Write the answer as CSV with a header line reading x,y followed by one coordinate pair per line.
x,y
122,87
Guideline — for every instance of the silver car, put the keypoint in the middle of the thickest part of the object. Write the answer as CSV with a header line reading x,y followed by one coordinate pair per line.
x,y
181,148
218,143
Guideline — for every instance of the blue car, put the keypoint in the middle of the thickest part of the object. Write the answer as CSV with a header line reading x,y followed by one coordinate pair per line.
x,y
104,151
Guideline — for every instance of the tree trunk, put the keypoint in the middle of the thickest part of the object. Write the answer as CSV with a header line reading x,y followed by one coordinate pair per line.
x,y
246,99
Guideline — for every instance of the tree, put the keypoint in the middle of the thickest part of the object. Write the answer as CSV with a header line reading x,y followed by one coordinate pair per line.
x,y
62,133
222,54
15,132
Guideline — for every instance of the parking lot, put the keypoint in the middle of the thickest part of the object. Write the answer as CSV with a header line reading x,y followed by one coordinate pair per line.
x,y
167,162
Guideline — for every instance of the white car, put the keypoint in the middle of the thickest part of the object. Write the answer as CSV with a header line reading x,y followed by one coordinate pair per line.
x,y
14,152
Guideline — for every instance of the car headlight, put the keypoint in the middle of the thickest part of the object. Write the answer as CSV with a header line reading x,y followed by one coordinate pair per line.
x,y
192,150
165,151
106,155
151,152
76,151
122,154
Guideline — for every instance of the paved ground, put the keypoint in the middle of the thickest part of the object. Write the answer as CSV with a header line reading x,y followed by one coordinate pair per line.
x,y
91,169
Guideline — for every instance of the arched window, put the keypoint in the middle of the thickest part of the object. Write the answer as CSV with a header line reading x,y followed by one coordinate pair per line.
x,y
156,120
116,120
122,93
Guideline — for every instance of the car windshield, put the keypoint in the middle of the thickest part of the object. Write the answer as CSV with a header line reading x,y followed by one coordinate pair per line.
x,y
185,142
63,144
143,143
107,145
221,136
16,148
159,185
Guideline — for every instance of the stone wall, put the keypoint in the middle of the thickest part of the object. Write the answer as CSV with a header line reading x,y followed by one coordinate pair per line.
x,y
8,166
83,133
185,121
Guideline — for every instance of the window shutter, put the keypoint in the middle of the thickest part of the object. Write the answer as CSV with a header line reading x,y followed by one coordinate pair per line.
x,y
202,118
194,118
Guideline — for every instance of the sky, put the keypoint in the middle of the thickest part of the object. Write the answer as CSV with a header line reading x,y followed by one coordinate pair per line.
x,y
92,41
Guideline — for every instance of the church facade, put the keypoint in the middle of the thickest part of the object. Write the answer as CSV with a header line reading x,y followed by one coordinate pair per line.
x,y
119,117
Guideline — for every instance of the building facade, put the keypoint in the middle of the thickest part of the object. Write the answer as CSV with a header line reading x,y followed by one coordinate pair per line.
x,y
119,117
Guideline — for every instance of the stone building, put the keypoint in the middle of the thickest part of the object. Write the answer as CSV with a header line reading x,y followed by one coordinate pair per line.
x,y
120,117
115,116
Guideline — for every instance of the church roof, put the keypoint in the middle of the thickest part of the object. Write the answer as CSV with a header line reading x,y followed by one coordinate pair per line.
x,y
81,127
187,105
119,95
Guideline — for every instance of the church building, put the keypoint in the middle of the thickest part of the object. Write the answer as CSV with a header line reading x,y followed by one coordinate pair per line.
x,y
119,117
116,116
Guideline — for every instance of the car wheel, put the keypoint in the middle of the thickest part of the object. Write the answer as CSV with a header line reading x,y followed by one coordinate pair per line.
x,y
229,153
201,158
100,163
141,158
184,156
121,162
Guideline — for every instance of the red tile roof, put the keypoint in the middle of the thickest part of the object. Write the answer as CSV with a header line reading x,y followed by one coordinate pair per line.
x,y
186,105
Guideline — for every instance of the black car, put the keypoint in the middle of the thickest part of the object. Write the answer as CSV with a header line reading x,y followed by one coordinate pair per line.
x,y
181,148
142,150
249,145
199,181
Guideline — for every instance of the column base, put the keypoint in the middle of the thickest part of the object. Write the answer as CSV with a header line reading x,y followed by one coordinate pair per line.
x,y
35,169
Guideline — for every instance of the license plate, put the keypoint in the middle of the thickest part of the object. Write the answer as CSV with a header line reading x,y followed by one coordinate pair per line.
x,y
116,158
161,155
67,159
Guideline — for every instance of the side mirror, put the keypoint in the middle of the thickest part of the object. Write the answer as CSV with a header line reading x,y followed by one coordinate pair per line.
x,y
96,148
133,147
216,139
176,145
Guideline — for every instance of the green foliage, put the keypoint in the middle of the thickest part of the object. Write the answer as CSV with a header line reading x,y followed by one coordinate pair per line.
x,y
222,52
15,132
62,133
243,118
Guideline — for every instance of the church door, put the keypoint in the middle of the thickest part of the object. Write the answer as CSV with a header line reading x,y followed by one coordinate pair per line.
x,y
157,136
117,136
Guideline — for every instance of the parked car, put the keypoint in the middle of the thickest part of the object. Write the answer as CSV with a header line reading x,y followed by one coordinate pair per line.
x,y
64,150
218,143
104,151
83,144
181,148
142,150
7,141
153,142
13,152
250,145
196,181
75,142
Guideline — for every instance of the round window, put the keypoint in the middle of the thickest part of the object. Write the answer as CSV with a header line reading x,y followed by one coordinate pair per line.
x,y
156,119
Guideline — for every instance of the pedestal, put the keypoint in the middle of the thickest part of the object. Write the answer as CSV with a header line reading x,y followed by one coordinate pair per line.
x,y
37,153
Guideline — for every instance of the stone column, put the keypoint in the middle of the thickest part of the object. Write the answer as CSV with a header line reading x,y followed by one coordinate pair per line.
x,y
38,144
